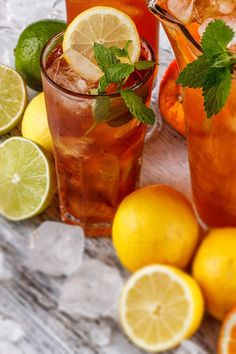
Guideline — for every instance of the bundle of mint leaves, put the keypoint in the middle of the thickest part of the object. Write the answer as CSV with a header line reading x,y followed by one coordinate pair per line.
x,y
212,71
117,72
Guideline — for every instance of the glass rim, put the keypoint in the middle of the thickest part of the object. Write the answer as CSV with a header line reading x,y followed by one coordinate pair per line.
x,y
134,87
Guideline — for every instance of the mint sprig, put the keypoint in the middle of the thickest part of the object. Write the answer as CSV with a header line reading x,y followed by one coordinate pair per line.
x,y
212,70
108,59
137,107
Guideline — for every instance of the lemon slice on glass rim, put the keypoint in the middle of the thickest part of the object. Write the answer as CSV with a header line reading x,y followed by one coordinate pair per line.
x,y
160,306
99,24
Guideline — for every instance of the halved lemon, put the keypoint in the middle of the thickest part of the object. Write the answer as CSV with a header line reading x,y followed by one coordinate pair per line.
x,y
13,98
27,179
227,338
160,306
105,25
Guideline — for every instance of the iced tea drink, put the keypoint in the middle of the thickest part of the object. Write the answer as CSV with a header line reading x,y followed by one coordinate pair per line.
x,y
147,25
97,164
211,142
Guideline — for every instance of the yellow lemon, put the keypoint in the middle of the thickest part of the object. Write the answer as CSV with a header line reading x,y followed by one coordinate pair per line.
x,y
35,123
160,306
155,224
214,268
99,24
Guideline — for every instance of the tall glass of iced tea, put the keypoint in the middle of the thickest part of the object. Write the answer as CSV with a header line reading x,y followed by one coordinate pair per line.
x,y
147,25
97,164
211,142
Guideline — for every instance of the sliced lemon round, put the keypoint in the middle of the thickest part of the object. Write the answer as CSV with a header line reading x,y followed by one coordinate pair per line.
x,y
105,25
27,182
160,306
13,98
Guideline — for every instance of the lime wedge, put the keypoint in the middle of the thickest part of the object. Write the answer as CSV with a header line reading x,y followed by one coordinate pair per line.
x,y
13,98
27,182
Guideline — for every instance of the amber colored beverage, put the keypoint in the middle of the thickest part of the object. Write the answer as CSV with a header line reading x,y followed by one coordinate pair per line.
x,y
211,142
147,25
97,164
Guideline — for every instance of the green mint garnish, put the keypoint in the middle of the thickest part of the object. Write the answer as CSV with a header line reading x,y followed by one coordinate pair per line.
x,y
137,107
144,65
101,109
104,57
118,73
212,70
121,53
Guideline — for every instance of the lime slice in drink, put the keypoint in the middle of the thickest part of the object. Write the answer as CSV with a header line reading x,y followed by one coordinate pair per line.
x,y
13,98
26,179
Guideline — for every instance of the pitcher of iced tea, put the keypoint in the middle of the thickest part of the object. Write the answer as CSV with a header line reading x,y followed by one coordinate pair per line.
x,y
211,142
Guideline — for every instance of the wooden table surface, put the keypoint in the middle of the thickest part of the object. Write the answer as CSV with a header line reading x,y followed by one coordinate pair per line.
x,y
30,299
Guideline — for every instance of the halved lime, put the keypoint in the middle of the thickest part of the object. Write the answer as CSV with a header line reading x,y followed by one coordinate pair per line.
x,y
13,98
27,182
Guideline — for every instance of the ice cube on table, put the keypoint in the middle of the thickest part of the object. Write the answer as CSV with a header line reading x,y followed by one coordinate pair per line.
x,y
56,249
100,334
93,291
8,348
10,331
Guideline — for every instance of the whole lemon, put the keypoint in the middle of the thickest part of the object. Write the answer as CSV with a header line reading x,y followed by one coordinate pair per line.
x,y
155,224
35,123
214,268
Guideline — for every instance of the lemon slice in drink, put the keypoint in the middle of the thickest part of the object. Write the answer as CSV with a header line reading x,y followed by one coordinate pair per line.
x,y
26,179
13,98
160,306
101,24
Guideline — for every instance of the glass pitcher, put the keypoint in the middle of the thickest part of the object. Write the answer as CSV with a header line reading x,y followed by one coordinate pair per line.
x,y
211,142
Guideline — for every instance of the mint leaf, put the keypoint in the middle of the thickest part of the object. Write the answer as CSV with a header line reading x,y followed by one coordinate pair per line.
x,y
137,107
117,72
194,73
101,109
221,61
103,84
121,52
144,65
216,38
216,90
212,70
104,57
127,44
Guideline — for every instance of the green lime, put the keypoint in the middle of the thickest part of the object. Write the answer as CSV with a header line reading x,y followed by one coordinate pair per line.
x,y
13,98
29,47
27,179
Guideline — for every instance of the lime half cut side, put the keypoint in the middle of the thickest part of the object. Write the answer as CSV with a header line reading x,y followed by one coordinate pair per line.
x,y
26,179
13,98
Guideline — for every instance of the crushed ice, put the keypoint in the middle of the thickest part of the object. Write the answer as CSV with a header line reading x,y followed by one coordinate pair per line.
x,y
93,291
56,249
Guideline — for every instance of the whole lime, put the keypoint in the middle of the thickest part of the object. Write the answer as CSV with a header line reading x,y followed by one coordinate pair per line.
x,y
29,47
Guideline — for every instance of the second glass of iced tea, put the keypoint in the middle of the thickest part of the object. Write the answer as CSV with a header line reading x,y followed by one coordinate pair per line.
x,y
147,25
97,164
